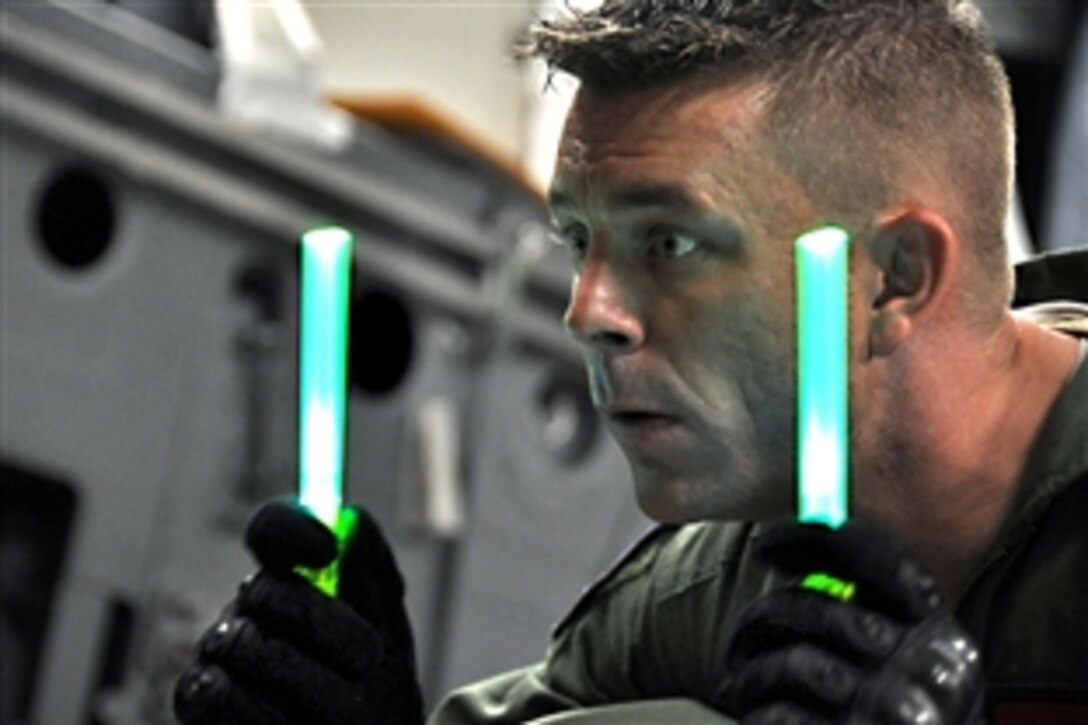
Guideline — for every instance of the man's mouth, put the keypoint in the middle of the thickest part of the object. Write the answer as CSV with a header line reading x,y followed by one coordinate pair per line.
x,y
646,433
636,424
638,417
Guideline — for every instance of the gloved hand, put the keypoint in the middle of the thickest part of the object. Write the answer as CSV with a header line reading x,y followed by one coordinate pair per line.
x,y
284,652
891,654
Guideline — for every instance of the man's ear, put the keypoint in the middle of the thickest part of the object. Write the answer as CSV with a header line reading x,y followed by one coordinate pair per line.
x,y
912,253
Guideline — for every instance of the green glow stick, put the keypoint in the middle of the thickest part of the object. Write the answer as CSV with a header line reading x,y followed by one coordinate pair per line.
x,y
323,352
823,455
823,445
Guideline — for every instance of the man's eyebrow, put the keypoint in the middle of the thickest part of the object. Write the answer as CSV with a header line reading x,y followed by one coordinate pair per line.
x,y
654,194
559,199
638,195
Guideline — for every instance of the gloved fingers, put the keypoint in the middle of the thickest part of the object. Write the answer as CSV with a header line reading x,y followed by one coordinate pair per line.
x,y
206,695
898,702
289,679
283,535
372,583
290,608
794,614
800,674
944,662
888,578
785,713
944,654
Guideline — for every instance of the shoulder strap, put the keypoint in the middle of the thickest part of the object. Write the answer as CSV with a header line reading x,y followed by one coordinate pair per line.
x,y
1054,276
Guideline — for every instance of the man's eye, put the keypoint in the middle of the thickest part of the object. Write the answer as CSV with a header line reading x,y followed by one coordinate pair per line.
x,y
575,238
672,244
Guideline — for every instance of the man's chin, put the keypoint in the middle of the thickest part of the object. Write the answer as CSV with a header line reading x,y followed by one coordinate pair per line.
x,y
680,500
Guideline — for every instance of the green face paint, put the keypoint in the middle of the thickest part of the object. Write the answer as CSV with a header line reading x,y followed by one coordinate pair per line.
x,y
323,353
823,455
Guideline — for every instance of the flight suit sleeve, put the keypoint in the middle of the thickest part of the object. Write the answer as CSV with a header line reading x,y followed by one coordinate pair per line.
x,y
523,696
644,644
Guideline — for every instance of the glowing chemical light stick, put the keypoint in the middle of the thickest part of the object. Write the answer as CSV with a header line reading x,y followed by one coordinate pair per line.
x,y
323,354
823,447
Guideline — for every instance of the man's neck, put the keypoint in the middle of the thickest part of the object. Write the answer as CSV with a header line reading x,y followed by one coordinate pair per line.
x,y
969,439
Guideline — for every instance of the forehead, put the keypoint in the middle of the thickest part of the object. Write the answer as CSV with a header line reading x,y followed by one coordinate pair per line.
x,y
688,129
692,109
704,139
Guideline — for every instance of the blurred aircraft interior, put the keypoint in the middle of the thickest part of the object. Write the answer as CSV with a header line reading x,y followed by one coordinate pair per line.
x,y
160,161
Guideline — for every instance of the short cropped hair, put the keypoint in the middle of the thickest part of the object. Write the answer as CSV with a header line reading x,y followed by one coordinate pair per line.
x,y
865,95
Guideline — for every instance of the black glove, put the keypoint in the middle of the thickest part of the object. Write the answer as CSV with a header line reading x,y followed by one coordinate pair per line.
x,y
891,654
284,652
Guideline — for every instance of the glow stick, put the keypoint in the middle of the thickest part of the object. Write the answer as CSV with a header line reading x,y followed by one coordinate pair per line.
x,y
823,455
323,352
823,445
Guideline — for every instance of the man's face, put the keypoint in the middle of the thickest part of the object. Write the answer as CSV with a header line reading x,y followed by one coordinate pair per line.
x,y
682,293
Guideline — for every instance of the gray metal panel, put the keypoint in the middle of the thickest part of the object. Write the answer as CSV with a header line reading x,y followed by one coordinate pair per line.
x,y
542,527
435,248
379,468
124,377
128,377
182,64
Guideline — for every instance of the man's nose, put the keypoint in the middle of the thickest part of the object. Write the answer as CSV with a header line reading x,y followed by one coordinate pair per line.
x,y
600,314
